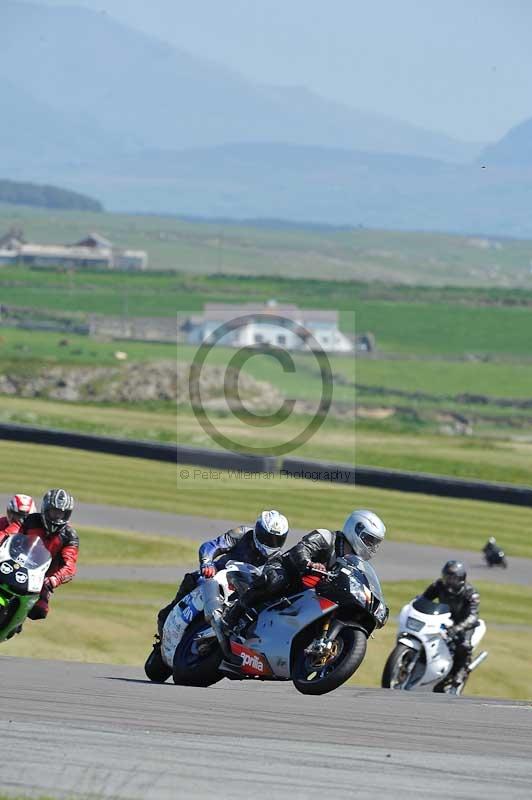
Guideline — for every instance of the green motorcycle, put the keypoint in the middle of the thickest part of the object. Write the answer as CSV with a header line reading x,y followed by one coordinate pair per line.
x,y
24,561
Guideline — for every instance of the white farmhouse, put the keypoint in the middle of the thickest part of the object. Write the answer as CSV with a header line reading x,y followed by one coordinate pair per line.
x,y
249,325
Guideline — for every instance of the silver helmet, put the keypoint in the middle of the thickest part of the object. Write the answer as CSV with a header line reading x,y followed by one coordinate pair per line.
x,y
270,532
364,531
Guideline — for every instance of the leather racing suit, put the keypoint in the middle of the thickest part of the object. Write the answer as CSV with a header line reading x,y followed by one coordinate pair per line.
x,y
8,528
283,573
236,544
464,609
63,547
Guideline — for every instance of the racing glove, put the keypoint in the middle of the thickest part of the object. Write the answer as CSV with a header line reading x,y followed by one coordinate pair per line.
x,y
453,633
50,583
316,566
208,570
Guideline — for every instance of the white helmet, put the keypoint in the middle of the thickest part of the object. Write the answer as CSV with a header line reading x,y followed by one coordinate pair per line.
x,y
364,531
270,532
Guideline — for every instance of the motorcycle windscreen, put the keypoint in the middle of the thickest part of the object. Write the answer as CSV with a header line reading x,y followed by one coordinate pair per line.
x,y
368,574
29,551
426,606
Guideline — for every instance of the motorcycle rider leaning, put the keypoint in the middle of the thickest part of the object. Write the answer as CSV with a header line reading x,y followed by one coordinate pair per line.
x,y
317,551
253,545
463,601
18,508
62,541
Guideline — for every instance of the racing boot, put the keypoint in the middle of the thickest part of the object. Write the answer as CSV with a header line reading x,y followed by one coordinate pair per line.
x,y
16,630
231,617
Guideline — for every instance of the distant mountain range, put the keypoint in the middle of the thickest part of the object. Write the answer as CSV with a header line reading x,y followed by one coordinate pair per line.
x,y
101,108
311,184
153,95
514,149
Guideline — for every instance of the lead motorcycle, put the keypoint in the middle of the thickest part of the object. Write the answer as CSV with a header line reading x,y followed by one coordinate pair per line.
x,y
24,561
423,656
316,637
495,557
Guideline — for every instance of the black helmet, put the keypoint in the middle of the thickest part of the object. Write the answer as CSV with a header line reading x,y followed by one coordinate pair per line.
x,y
56,509
454,576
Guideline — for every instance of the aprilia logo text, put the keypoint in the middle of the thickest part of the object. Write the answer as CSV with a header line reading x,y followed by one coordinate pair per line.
x,y
252,661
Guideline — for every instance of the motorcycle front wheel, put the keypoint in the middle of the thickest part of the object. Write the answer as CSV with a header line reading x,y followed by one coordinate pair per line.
x,y
398,667
196,662
312,675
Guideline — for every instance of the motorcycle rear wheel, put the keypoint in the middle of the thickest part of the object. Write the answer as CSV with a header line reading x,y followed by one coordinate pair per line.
x,y
193,667
155,668
392,669
309,679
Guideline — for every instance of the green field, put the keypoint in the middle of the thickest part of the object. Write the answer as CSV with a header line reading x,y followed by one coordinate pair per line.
x,y
114,623
205,248
401,441
453,322
24,349
115,480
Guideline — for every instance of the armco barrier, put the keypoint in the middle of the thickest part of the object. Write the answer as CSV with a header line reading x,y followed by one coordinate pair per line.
x,y
408,481
137,449
291,467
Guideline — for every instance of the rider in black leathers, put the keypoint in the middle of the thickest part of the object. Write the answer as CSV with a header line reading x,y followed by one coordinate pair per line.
x,y
463,601
491,550
317,551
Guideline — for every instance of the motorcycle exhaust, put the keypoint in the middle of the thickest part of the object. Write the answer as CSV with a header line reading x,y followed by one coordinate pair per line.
x,y
478,660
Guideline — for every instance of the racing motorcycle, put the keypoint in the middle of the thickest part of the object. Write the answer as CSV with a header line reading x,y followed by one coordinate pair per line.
x,y
495,557
24,561
423,656
316,637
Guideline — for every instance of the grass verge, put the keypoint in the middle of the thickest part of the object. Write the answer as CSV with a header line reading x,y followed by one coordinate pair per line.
x,y
137,483
384,443
98,546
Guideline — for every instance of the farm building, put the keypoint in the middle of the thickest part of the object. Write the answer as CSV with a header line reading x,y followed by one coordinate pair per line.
x,y
92,251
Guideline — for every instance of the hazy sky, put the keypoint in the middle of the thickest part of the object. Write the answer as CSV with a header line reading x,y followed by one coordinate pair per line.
x,y
464,68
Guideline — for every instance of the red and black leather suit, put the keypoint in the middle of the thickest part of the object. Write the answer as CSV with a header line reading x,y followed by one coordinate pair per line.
x,y
8,528
63,547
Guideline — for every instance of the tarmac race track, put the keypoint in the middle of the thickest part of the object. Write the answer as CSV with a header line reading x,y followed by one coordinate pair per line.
x,y
395,560
102,731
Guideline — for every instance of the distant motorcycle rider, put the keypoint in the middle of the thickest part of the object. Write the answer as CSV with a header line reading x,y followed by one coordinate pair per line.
x,y
464,602
362,533
491,549
253,545
59,538
18,508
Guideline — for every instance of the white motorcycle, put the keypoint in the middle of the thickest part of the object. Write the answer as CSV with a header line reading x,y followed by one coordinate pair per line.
x,y
423,656
315,637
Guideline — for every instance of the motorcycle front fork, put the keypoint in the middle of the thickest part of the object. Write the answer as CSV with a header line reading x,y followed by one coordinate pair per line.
x,y
324,646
